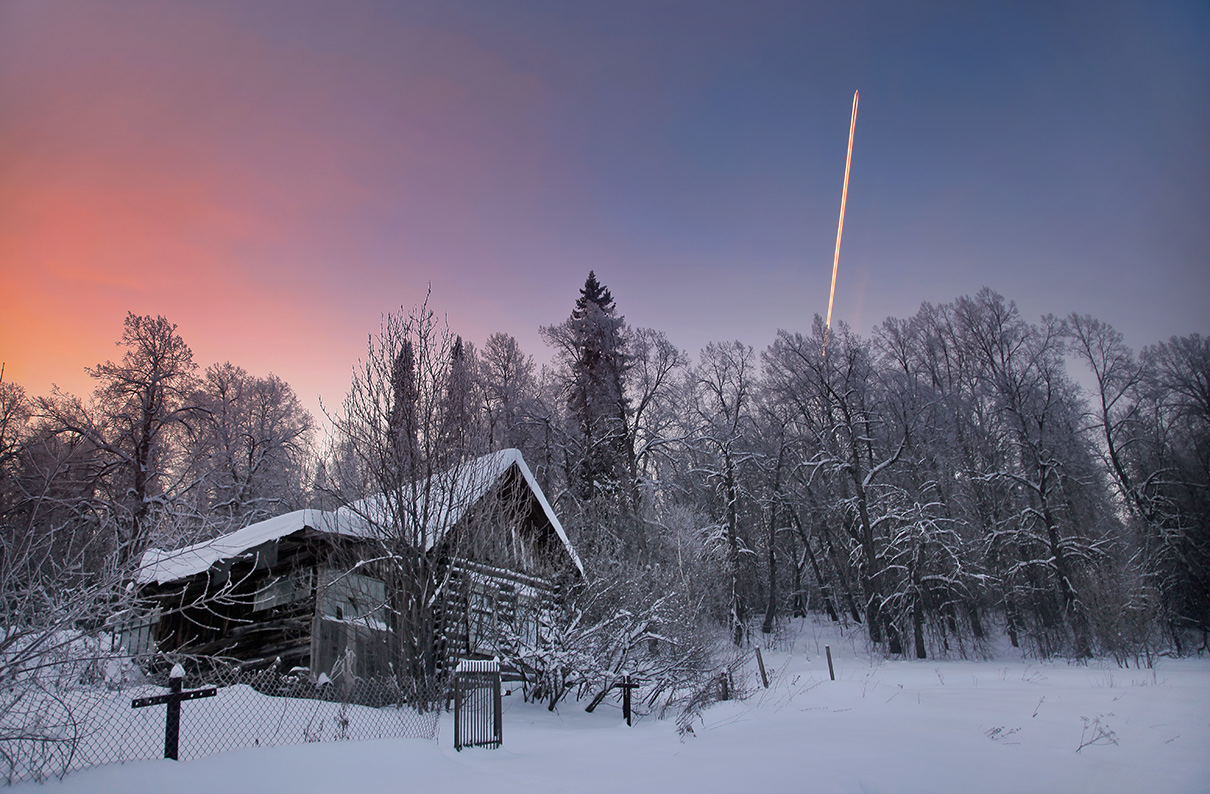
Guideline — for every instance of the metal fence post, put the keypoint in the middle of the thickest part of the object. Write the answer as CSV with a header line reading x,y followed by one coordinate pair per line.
x,y
172,721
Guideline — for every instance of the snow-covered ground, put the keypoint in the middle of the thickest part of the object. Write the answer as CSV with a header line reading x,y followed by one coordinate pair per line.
x,y
1007,725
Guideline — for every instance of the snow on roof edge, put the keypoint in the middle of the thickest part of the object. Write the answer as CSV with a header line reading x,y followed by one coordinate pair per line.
x,y
161,566
166,566
546,508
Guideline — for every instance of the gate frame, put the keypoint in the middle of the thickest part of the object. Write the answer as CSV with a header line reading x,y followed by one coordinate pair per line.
x,y
478,674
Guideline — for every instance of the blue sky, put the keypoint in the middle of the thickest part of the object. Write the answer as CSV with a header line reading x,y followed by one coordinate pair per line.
x,y
274,176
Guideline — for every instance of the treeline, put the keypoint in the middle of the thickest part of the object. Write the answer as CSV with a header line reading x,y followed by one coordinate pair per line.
x,y
943,482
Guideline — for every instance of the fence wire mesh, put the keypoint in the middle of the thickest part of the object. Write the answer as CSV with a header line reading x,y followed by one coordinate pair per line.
x,y
71,716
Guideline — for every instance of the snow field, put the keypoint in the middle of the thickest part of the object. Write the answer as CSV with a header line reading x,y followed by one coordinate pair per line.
x,y
1004,725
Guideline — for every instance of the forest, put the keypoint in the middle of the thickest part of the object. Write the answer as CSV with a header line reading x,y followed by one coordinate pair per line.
x,y
943,483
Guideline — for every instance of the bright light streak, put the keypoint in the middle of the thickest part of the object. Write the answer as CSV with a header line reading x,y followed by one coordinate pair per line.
x,y
844,196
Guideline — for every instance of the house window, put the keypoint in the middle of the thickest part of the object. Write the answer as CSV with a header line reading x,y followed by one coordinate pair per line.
x,y
353,613
283,590
354,597
481,617
527,621
136,633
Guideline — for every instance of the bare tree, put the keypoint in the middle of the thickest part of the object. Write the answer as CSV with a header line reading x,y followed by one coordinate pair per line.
x,y
1169,461
248,452
507,376
849,437
1049,528
722,387
59,583
141,405
657,366
401,476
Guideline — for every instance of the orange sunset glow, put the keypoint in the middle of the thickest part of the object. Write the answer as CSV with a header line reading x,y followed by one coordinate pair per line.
x,y
273,179
162,161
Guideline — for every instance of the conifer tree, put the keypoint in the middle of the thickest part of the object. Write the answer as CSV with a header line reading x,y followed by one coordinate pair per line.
x,y
599,459
592,344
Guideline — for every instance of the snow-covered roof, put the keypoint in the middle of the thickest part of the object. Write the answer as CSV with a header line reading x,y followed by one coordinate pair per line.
x,y
451,493
166,566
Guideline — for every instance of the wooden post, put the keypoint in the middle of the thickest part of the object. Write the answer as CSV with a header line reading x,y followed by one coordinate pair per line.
x,y
626,686
499,717
764,679
172,729
458,712
831,672
172,723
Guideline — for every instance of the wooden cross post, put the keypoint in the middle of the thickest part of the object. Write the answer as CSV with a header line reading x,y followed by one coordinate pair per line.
x,y
626,685
172,724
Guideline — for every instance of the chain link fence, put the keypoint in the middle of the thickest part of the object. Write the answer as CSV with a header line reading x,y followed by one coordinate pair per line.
x,y
73,715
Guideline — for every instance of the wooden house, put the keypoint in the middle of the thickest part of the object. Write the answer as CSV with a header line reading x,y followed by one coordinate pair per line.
x,y
311,589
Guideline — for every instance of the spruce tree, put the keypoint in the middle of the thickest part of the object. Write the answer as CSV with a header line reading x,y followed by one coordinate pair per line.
x,y
597,398
404,395
600,467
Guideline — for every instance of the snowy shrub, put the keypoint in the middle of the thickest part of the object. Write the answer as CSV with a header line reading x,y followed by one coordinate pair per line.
x,y
725,683
1123,615
644,627
47,700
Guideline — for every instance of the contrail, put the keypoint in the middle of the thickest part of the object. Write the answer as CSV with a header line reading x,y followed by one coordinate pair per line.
x,y
844,195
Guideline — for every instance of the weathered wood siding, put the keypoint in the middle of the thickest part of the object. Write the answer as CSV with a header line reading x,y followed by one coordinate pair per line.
x,y
270,602
240,609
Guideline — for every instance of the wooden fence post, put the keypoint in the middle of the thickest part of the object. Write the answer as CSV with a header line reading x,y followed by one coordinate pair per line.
x,y
172,729
172,722
457,712
499,717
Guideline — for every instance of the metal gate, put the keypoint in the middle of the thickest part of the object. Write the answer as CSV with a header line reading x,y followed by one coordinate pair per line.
x,y
477,718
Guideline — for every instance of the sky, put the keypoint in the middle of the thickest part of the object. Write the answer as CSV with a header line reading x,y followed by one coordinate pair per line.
x,y
273,177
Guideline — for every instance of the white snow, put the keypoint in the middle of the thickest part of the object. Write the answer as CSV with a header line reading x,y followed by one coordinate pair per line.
x,y
1005,725
459,491
478,666
166,566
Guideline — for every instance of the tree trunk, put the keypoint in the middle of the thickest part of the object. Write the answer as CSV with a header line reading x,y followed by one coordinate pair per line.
x,y
771,603
738,615
918,627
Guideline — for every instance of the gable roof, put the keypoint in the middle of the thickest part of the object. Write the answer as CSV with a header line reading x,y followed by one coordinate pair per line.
x,y
451,493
